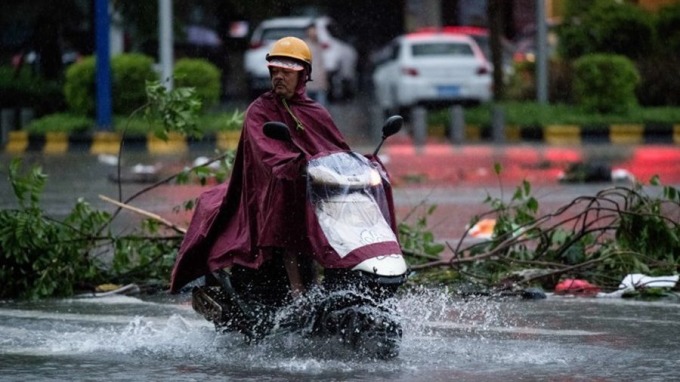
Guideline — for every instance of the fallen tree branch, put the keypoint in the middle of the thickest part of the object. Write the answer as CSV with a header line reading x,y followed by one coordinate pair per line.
x,y
148,214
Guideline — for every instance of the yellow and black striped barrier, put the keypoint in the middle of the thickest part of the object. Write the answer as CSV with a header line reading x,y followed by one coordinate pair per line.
x,y
617,134
110,142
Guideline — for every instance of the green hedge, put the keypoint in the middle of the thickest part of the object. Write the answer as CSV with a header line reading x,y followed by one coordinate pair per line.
x,y
129,73
138,126
605,83
668,28
60,122
534,114
200,75
607,26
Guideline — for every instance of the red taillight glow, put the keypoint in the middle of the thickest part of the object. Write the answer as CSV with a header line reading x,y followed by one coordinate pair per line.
x,y
413,72
256,44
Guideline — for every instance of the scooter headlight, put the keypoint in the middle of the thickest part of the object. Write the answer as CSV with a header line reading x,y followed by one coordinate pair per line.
x,y
374,178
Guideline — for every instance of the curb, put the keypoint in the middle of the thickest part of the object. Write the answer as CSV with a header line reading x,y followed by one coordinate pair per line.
x,y
557,135
617,134
110,142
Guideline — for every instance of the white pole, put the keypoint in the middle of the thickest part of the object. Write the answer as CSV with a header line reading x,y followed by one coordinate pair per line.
x,y
165,42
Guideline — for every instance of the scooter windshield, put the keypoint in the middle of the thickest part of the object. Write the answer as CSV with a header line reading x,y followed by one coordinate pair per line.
x,y
348,195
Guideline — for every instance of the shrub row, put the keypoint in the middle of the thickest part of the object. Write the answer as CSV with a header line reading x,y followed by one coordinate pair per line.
x,y
618,28
74,123
130,72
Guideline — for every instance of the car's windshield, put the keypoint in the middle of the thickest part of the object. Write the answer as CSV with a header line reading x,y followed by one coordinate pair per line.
x,y
441,49
273,34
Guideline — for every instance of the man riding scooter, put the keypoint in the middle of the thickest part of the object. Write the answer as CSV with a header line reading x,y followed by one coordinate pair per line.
x,y
255,224
298,199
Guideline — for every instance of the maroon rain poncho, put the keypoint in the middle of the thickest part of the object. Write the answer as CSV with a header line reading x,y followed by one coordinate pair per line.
x,y
262,206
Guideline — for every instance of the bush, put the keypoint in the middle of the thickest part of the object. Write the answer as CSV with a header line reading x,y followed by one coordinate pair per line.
x,y
605,83
79,88
607,26
61,122
668,26
129,73
201,75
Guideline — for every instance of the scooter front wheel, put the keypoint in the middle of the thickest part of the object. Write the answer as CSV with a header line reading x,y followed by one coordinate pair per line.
x,y
373,333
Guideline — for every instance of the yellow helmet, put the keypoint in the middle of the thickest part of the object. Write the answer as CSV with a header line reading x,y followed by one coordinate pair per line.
x,y
291,47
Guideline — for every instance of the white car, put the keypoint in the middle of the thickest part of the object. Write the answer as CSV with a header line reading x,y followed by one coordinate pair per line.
x,y
431,69
340,58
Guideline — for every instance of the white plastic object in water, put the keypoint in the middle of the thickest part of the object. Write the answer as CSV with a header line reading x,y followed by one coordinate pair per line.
x,y
635,281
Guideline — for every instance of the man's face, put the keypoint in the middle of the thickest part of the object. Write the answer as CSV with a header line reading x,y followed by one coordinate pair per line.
x,y
284,81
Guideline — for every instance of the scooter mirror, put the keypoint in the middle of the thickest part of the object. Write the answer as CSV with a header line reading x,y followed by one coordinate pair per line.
x,y
392,125
277,130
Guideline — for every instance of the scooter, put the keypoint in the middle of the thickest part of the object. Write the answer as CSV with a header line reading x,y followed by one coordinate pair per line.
x,y
349,200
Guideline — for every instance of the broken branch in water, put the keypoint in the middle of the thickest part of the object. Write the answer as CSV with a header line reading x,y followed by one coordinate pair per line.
x,y
148,214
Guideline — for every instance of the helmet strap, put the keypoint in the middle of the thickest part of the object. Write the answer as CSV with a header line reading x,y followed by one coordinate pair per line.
x,y
298,123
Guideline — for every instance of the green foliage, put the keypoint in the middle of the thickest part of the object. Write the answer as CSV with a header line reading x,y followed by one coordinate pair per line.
x,y
668,28
135,126
534,114
144,256
223,121
201,75
60,122
605,83
177,110
79,88
607,26
129,73
645,230
417,239
660,84
600,238
42,257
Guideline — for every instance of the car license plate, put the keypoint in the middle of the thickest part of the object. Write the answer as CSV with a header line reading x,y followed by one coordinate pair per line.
x,y
448,91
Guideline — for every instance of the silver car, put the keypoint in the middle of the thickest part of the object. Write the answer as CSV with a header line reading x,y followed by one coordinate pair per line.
x,y
340,58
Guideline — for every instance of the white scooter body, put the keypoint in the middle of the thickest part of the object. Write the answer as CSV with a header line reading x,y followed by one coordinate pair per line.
x,y
350,204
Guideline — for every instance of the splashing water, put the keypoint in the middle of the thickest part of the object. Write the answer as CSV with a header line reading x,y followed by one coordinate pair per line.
x,y
445,337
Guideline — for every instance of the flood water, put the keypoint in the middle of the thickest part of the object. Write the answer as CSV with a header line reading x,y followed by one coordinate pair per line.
x,y
118,338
